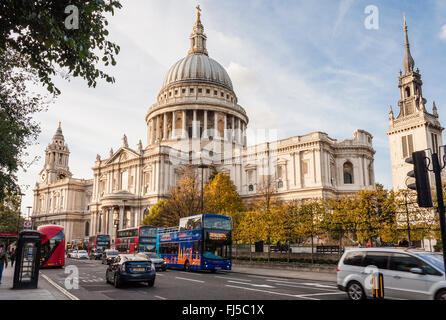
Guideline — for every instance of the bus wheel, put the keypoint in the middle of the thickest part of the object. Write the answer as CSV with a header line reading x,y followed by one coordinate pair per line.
x,y
187,266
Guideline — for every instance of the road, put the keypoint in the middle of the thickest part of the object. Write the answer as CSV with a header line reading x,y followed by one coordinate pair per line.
x,y
181,285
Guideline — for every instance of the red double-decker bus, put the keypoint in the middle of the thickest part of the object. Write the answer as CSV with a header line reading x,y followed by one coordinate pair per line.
x,y
134,240
53,246
99,241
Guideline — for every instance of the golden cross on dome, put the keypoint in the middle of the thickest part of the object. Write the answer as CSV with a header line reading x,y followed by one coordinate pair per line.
x,y
198,12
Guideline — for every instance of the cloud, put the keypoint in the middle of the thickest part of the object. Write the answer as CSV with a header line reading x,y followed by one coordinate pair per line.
x,y
442,34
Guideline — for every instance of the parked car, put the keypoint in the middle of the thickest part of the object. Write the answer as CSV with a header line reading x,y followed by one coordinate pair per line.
x,y
69,253
407,273
109,255
96,254
130,268
160,263
80,254
72,254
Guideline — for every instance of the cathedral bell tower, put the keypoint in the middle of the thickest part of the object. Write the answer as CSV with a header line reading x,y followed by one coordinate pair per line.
x,y
414,129
56,159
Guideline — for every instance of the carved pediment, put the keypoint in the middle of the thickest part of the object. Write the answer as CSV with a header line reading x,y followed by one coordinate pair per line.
x,y
123,154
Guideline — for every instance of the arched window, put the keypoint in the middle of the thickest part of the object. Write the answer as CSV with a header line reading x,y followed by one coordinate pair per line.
x,y
348,173
407,92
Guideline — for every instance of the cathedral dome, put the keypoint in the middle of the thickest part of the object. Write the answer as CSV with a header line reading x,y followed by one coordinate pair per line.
x,y
198,68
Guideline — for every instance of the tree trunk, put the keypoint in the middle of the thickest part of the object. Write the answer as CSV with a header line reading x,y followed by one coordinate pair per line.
x,y
289,250
269,248
312,251
250,251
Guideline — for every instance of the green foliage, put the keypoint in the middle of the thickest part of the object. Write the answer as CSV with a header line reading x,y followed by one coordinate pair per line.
x,y
10,219
156,215
37,30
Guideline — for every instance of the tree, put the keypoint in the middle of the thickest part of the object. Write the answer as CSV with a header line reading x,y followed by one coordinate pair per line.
x,y
156,216
184,200
265,203
10,220
221,197
46,35
310,217
17,128
289,224
249,229
38,40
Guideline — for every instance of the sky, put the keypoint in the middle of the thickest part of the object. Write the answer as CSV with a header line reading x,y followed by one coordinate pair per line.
x,y
297,67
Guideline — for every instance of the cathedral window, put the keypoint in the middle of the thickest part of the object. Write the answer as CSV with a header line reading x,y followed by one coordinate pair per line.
x,y
215,92
191,91
348,173
407,143
183,91
305,167
176,92
208,91
200,90
222,94
280,184
251,188
434,143
407,92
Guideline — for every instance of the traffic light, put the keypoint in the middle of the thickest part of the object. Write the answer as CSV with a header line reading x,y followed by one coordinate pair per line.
x,y
422,184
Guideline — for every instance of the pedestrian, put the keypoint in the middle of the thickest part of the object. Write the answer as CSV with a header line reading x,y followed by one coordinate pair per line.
x,y
3,261
13,254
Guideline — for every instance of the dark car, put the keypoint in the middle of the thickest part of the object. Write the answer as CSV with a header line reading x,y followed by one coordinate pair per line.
x,y
96,254
130,268
160,263
109,255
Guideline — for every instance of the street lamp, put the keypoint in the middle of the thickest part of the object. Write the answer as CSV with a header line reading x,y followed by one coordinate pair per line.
x,y
27,218
202,166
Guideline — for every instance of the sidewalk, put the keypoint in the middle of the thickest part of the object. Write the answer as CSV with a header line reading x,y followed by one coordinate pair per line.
x,y
45,290
283,273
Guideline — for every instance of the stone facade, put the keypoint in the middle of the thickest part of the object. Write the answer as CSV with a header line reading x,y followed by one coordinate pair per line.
x,y
197,120
58,197
414,128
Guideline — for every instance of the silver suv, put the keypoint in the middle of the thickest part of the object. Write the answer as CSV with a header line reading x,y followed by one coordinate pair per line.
x,y
407,274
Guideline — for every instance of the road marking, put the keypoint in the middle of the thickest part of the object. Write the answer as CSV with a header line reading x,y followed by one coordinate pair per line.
x,y
159,275
321,294
65,292
252,284
273,292
232,278
318,285
299,285
160,298
189,279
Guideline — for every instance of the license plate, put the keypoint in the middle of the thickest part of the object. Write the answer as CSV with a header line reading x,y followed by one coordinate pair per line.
x,y
138,269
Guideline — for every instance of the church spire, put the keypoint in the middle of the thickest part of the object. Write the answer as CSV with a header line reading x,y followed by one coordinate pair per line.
x,y
198,38
408,62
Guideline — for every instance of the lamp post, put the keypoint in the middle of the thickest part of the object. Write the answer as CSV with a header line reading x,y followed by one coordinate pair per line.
x,y
202,166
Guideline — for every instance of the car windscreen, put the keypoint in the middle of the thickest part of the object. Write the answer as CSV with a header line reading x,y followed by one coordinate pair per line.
x,y
152,255
112,253
435,259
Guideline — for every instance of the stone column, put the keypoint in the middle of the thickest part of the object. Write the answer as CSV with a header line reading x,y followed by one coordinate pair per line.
x,y
110,221
233,130
152,131
157,125
205,124
165,127
194,125
174,134
183,125
225,126
121,217
216,124
239,131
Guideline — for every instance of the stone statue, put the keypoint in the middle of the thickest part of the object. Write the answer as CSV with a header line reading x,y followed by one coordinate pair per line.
x,y
111,152
98,157
125,142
